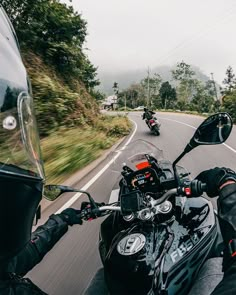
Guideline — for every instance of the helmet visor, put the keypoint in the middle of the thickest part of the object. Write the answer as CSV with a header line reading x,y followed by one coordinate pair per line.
x,y
19,142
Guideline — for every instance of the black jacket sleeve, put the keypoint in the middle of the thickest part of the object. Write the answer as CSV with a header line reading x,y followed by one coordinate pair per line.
x,y
227,220
42,241
228,285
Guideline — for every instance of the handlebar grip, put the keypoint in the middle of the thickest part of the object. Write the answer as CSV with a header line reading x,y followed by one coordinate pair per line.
x,y
197,188
204,187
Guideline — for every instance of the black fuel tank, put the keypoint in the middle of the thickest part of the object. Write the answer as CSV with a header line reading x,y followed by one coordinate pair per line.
x,y
145,255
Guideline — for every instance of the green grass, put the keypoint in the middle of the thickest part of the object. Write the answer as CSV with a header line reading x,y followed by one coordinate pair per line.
x,y
68,150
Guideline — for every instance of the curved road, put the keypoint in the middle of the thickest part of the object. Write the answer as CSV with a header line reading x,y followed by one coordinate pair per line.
x,y
69,267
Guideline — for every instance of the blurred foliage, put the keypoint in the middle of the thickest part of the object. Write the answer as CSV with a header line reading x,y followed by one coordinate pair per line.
x,y
56,32
98,95
52,37
68,150
58,103
114,126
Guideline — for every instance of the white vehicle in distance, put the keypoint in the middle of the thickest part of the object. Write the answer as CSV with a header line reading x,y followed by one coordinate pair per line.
x,y
139,108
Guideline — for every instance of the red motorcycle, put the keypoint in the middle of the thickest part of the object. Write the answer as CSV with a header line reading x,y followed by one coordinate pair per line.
x,y
154,125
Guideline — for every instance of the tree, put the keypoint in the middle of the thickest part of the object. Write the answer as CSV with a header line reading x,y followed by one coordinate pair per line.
x,y
183,72
57,33
167,94
229,104
203,98
115,88
229,81
184,75
98,95
136,94
210,87
151,85
132,96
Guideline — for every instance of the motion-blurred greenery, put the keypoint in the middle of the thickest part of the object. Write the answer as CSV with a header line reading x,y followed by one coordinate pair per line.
x,y
68,150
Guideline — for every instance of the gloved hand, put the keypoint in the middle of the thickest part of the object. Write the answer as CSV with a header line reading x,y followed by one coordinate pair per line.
x,y
215,178
88,204
86,207
71,216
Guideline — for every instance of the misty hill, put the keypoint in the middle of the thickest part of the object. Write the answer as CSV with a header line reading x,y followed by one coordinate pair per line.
x,y
126,78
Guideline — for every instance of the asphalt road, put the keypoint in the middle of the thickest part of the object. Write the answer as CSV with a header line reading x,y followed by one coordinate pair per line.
x,y
69,267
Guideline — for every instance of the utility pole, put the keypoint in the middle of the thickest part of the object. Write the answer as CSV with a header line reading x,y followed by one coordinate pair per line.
x,y
115,97
214,84
125,102
148,90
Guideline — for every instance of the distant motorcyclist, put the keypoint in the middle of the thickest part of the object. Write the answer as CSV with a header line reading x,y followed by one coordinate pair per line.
x,y
148,114
21,175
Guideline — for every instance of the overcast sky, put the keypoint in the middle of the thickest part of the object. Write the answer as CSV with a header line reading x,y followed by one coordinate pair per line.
x,y
135,34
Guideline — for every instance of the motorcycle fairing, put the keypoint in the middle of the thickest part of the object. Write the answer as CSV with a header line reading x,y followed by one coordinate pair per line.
x,y
194,232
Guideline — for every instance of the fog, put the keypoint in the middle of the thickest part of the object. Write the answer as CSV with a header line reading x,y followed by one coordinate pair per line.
x,y
134,34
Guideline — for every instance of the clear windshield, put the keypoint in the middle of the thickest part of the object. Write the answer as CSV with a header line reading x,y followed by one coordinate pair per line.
x,y
135,154
19,142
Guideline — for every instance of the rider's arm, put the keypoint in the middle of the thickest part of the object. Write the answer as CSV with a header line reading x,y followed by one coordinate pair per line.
x,y
228,285
43,239
227,219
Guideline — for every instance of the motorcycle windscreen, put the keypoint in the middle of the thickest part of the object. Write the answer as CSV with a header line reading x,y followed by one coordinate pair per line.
x,y
134,155
19,141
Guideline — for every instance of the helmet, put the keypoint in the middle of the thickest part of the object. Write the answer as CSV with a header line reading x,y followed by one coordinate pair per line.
x,y
21,165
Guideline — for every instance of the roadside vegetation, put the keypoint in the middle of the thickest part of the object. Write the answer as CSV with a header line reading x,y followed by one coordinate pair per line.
x,y
69,150
73,133
184,92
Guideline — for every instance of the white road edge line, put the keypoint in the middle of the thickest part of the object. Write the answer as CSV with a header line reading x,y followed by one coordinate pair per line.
x,y
88,184
226,145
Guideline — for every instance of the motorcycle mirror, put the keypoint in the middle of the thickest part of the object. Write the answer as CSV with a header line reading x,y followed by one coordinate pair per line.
x,y
214,130
53,191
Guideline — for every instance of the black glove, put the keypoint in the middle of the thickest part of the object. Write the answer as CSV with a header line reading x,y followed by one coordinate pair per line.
x,y
71,216
214,178
87,210
88,205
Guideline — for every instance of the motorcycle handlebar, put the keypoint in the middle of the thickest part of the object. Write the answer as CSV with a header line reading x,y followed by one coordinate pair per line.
x,y
194,188
197,188
111,208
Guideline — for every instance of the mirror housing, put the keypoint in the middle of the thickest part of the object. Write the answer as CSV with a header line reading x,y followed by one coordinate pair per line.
x,y
214,130
53,191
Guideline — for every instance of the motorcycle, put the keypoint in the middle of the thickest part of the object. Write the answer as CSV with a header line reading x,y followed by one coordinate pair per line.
x,y
154,125
160,229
